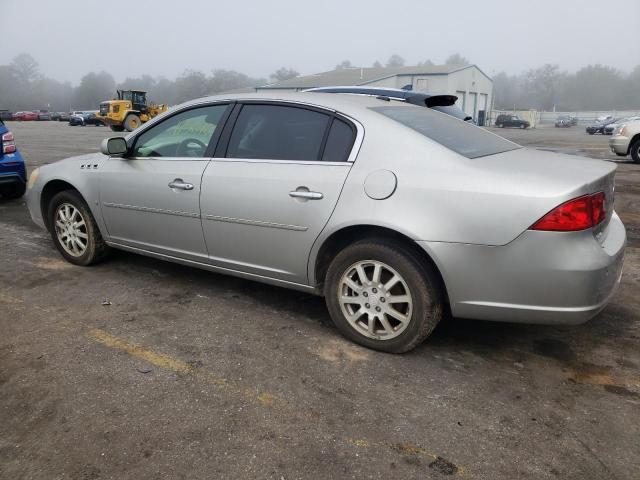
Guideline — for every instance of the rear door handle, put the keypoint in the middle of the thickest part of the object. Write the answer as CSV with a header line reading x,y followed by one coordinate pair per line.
x,y
180,184
306,195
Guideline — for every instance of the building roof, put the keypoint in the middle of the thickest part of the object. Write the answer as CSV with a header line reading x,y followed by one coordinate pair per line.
x,y
361,76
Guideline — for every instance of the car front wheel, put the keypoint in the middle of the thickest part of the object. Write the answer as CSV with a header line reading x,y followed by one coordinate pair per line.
x,y
383,296
74,230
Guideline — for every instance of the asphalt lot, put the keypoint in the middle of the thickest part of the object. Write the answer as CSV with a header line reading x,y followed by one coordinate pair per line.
x,y
189,374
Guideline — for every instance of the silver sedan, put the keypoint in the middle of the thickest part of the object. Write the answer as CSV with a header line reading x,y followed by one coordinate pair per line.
x,y
394,212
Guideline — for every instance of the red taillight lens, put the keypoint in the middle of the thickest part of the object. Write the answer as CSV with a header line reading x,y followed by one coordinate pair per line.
x,y
8,145
597,207
577,214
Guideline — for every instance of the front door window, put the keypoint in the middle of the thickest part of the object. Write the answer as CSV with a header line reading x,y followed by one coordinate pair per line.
x,y
184,135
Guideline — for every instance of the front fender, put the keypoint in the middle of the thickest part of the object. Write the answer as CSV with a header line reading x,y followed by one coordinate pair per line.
x,y
78,173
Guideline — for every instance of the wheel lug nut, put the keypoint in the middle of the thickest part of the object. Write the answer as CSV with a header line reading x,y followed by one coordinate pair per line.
x,y
365,294
375,290
382,299
377,309
366,305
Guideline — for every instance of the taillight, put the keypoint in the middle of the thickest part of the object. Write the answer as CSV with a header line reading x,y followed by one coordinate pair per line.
x,y
577,214
8,144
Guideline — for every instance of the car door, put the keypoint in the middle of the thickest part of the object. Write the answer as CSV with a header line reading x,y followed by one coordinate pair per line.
x,y
150,198
265,203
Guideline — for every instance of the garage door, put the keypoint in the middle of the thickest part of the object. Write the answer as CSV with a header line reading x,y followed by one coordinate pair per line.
x,y
472,105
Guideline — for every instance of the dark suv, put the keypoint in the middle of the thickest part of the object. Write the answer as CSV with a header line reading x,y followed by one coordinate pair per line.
x,y
511,121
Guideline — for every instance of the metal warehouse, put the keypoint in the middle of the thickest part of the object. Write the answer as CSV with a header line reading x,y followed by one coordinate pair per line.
x,y
470,84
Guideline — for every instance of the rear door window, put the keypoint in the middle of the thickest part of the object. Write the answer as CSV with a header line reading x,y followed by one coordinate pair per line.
x,y
278,132
461,137
339,142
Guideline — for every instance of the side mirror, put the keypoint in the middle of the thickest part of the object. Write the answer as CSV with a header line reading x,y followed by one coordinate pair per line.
x,y
114,147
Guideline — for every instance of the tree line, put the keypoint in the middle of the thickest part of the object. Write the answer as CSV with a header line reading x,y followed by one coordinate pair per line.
x,y
594,87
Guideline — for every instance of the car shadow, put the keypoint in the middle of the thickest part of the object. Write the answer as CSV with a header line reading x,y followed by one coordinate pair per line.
x,y
570,345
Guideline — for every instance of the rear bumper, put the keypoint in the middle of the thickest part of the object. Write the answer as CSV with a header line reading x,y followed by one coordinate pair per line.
x,y
619,144
541,277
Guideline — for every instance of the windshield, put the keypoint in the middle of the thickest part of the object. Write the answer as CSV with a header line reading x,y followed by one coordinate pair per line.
x,y
461,137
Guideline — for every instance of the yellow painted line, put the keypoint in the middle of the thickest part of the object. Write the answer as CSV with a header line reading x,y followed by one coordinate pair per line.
x,y
157,359
264,399
169,363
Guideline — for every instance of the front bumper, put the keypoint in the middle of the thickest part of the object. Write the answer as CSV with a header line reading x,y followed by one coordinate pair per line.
x,y
619,144
540,277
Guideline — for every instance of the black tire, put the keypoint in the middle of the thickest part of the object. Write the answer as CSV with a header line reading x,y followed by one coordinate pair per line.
x,y
116,128
635,151
132,122
422,281
14,191
96,249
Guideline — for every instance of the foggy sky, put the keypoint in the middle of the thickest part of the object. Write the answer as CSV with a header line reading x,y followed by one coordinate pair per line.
x,y
70,38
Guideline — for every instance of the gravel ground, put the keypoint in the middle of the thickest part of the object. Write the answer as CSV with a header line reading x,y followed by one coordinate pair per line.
x,y
137,369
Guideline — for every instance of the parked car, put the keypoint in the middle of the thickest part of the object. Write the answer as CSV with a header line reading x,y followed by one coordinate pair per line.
x,y
13,173
394,212
611,127
63,116
598,127
564,121
443,103
511,121
76,119
44,115
85,118
90,118
25,116
626,140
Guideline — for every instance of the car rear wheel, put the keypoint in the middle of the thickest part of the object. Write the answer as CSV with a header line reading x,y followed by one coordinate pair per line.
x,y
635,151
74,230
132,122
13,191
380,295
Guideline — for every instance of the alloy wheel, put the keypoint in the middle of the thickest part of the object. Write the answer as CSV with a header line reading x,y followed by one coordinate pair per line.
x,y
71,229
375,300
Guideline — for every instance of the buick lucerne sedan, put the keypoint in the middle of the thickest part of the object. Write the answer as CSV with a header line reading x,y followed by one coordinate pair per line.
x,y
393,212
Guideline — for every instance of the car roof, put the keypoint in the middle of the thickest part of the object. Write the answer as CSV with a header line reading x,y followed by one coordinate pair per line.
x,y
346,104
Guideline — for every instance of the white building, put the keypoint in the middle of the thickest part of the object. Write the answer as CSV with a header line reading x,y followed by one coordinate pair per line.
x,y
470,84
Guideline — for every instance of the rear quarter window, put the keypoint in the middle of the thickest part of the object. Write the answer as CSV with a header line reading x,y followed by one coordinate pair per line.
x,y
461,137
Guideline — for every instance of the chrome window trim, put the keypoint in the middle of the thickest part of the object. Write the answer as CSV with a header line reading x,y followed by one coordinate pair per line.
x,y
181,159
269,160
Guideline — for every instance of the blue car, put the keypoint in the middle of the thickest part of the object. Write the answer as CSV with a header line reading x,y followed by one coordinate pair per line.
x,y
13,173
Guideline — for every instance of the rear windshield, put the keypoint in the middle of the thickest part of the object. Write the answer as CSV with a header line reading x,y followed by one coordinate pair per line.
x,y
461,137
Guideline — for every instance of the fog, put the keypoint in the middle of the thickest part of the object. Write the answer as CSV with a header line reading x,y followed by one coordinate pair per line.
x,y
164,38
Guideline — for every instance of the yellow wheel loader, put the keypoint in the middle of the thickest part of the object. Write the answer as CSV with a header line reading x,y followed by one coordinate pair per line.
x,y
129,110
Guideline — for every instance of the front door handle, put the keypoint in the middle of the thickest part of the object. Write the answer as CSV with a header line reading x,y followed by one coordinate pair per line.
x,y
306,195
180,184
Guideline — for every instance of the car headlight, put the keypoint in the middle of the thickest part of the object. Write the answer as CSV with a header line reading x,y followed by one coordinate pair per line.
x,y
32,178
622,130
